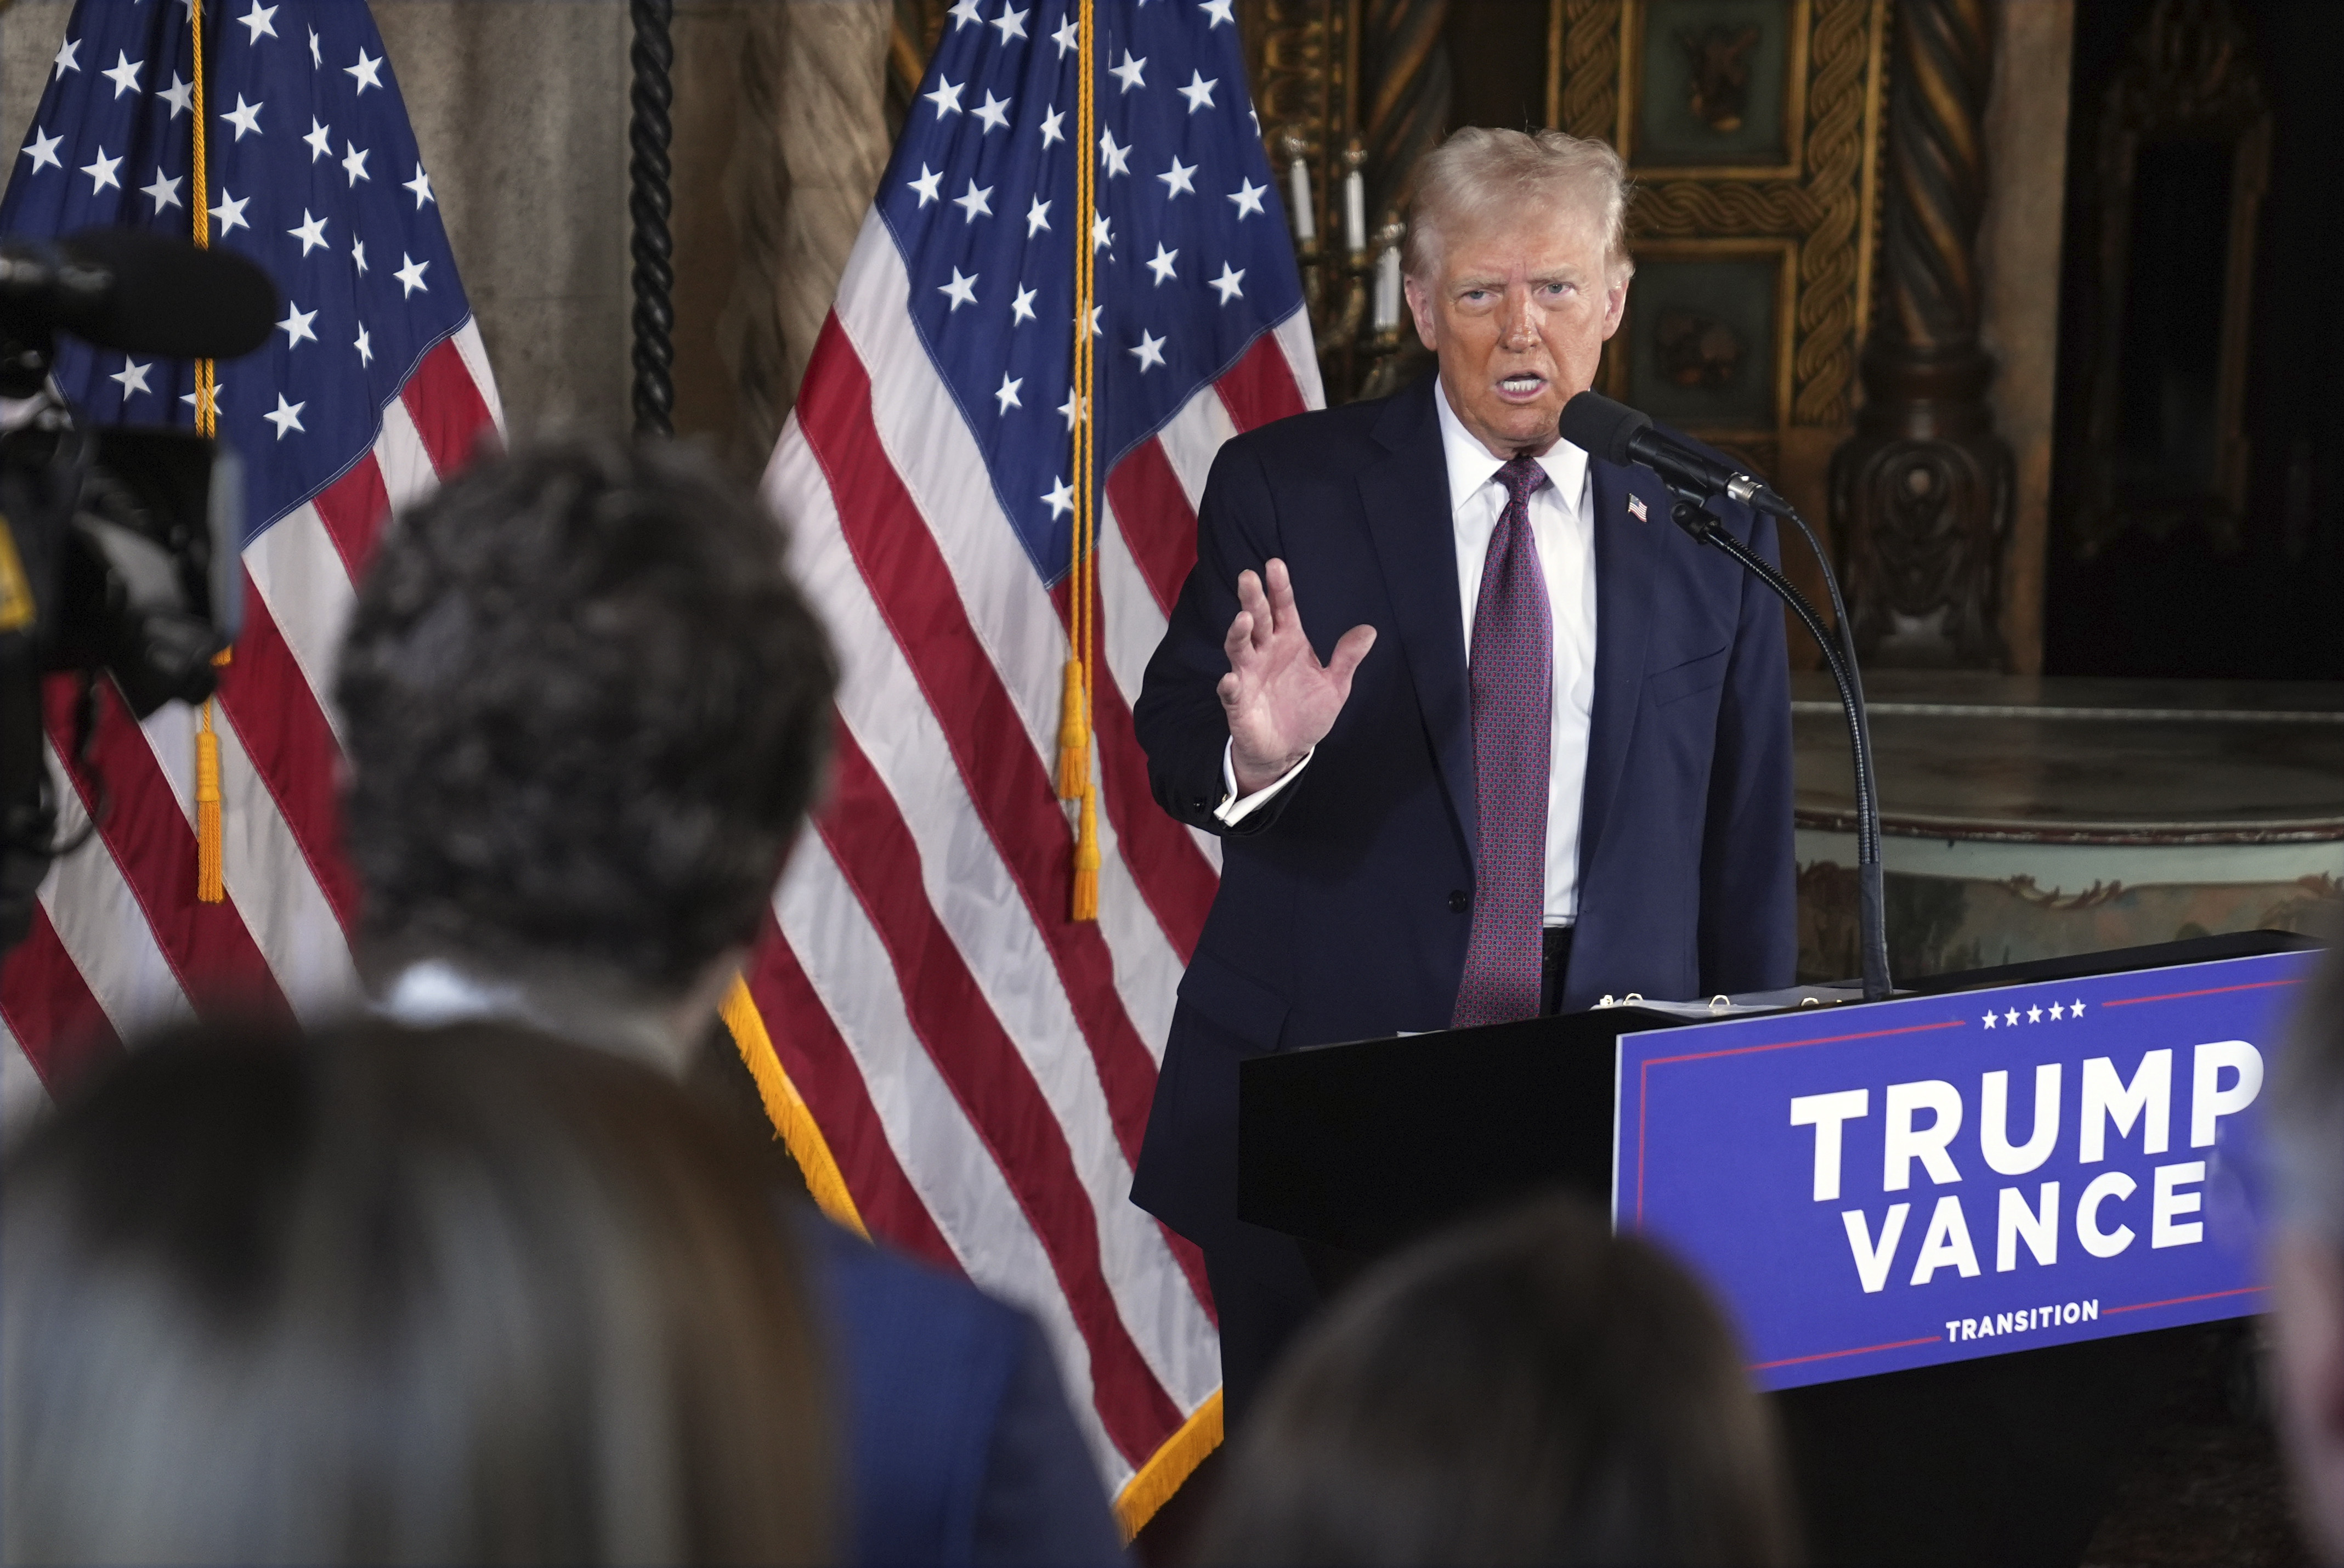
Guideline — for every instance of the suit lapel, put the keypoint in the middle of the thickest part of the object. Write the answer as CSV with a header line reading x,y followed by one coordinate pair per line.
x,y
1406,498
1626,561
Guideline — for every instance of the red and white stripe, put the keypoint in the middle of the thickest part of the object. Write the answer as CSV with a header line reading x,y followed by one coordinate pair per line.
x,y
979,1064
120,944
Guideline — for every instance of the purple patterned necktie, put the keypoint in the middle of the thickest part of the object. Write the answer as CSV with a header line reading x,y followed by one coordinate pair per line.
x,y
1514,731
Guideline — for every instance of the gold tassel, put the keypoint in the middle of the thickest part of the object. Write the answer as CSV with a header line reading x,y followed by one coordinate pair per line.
x,y
1074,736
210,887
1086,861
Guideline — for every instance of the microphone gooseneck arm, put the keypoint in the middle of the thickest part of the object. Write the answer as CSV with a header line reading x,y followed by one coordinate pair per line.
x,y
1692,514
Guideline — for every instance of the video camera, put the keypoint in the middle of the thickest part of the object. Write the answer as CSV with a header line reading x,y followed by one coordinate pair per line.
x,y
119,547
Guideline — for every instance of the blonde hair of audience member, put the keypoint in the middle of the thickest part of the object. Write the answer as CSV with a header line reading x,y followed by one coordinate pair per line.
x,y
1529,1390
2306,1255
461,1295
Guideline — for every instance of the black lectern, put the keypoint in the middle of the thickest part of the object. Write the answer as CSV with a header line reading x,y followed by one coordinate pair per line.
x,y
1357,1148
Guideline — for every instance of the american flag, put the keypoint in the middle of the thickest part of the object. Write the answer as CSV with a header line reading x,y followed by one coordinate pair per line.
x,y
374,385
978,1065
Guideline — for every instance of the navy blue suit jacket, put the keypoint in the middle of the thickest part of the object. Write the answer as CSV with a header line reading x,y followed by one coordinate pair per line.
x,y
959,1447
1345,902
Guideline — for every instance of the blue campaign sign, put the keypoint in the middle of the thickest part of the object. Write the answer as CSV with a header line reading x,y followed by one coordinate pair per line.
x,y
1940,1177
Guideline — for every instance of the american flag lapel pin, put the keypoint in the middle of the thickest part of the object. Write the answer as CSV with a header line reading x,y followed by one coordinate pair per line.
x,y
1636,508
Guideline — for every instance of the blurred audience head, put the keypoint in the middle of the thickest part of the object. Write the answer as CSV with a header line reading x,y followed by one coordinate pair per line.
x,y
465,1295
586,709
1530,1389
2306,1259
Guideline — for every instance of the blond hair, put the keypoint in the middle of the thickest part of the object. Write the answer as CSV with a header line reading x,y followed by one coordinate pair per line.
x,y
1480,172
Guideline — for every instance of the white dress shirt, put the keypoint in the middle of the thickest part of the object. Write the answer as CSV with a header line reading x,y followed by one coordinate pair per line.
x,y
1561,521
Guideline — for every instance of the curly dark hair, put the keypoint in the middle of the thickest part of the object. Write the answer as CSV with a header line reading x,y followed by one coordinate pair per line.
x,y
586,709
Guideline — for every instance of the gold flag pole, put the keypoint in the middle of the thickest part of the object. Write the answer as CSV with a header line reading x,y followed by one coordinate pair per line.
x,y
1074,781
211,883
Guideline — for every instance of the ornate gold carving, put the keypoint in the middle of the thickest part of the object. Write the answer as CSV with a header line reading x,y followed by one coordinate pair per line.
x,y
1824,206
1582,93
1843,54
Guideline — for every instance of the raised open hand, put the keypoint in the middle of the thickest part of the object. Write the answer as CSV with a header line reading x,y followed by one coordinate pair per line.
x,y
1280,699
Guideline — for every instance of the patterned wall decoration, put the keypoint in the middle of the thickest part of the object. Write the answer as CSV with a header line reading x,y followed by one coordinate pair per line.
x,y
1752,129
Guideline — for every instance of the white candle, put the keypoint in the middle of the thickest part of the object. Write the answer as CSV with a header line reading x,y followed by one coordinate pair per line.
x,y
1388,289
1355,211
1298,186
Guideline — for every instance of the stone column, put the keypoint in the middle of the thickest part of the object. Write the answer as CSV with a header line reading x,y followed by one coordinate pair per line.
x,y
1921,494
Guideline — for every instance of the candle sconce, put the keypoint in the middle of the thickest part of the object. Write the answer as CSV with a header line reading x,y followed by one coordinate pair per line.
x,y
1353,291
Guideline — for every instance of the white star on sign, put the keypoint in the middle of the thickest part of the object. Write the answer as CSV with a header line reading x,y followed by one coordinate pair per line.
x,y
926,184
1128,73
1052,118
257,20
960,290
421,186
364,345
296,324
1200,91
1989,1020
211,404
132,378
65,52
179,95
311,233
286,417
2077,1008
1116,159
245,117
2056,1010
1149,353
1037,218
354,165
358,255
1218,10
1160,264
996,112
2011,1017
368,71
1229,284
230,212
975,203
1248,196
1062,499
163,192
1178,179
101,173
1012,24
320,140
125,73
1102,233
1067,35
410,276
1021,308
2033,1015
947,97
44,148
964,13
1006,393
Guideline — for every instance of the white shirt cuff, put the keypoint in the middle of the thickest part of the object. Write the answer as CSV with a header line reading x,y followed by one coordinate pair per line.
x,y
1232,811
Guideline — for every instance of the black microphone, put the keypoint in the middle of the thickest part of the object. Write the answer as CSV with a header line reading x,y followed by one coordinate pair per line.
x,y
139,293
1619,434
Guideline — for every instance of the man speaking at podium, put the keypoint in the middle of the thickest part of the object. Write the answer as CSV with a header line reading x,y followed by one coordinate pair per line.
x,y
1550,758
